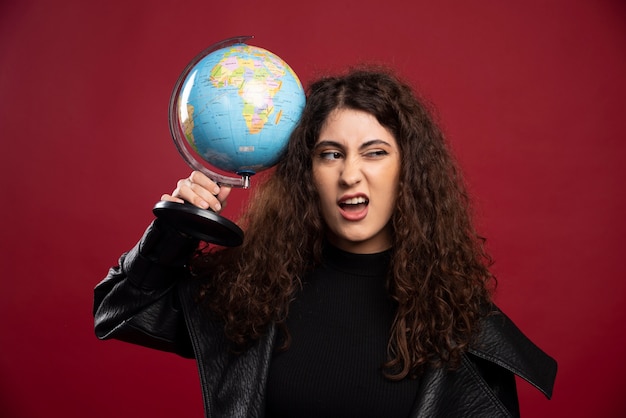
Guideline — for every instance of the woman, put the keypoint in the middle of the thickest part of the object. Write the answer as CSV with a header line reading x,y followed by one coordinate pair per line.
x,y
361,288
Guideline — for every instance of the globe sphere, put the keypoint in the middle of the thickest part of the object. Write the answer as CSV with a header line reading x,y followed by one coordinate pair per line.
x,y
236,107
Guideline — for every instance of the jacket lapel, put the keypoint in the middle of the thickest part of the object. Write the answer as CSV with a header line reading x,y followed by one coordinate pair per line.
x,y
459,393
502,343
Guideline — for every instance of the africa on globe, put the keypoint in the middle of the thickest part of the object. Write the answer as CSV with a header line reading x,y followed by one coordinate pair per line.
x,y
236,107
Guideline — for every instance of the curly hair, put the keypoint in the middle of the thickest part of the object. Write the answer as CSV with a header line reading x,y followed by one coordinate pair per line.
x,y
439,273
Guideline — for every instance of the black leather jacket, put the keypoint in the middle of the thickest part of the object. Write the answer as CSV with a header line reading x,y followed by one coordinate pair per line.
x,y
149,299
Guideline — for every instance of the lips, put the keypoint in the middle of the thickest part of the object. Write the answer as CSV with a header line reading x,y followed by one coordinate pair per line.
x,y
353,208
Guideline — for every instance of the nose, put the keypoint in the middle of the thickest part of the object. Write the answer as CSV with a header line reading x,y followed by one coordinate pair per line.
x,y
350,173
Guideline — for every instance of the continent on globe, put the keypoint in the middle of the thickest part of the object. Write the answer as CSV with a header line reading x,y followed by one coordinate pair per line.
x,y
188,126
236,107
257,78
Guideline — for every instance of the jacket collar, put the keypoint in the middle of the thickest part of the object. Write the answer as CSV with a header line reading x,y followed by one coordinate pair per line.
x,y
501,342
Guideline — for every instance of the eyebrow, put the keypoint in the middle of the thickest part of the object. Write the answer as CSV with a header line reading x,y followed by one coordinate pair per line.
x,y
364,145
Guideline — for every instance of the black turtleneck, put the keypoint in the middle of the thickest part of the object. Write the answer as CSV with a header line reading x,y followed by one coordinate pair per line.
x,y
339,324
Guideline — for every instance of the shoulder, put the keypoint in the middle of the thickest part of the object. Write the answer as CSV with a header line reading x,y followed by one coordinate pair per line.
x,y
500,342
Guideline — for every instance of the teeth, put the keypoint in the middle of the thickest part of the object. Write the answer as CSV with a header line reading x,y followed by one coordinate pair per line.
x,y
354,201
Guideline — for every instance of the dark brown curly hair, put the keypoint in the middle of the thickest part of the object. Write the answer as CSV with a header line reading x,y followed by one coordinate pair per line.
x,y
439,273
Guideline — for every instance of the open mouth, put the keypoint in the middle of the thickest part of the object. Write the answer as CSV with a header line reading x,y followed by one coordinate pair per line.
x,y
354,204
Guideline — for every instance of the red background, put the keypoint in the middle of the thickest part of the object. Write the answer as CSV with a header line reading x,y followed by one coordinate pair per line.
x,y
531,94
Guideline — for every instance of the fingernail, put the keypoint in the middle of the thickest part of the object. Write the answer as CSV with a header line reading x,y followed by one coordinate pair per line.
x,y
204,204
218,207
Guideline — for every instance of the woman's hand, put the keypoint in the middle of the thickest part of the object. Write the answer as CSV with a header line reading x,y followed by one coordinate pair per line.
x,y
200,191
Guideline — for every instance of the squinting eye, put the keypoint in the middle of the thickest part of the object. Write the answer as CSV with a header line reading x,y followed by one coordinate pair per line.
x,y
377,153
330,155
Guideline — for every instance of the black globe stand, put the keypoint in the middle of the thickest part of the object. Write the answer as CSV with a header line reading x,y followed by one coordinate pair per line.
x,y
202,224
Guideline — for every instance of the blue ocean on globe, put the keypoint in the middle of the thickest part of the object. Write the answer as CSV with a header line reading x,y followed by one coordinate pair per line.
x,y
237,107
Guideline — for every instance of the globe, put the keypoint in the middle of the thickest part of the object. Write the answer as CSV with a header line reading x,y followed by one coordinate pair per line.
x,y
235,106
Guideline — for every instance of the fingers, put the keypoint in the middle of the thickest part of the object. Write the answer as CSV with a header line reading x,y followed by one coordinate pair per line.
x,y
200,191
171,198
223,194
196,177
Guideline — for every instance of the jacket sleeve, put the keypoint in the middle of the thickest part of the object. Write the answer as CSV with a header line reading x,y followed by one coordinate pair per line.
x,y
138,301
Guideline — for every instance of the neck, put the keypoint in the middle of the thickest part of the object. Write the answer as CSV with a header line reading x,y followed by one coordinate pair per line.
x,y
377,244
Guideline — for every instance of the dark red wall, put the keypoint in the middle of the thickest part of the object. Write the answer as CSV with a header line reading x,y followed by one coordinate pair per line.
x,y
531,94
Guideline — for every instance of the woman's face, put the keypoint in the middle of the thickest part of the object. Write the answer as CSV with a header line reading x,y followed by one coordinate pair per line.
x,y
356,170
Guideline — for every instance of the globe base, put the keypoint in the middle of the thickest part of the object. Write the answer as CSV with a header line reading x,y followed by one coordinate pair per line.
x,y
202,224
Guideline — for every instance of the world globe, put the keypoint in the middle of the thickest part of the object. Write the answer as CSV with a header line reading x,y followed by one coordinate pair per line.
x,y
235,106
232,109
